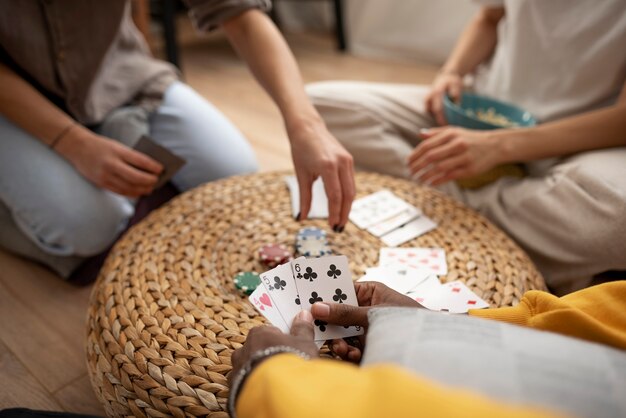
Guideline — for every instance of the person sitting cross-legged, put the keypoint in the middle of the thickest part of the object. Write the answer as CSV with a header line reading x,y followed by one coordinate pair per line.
x,y
565,63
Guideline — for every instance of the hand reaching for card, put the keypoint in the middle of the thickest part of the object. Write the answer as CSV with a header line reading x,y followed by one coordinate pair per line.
x,y
317,153
109,164
300,337
369,294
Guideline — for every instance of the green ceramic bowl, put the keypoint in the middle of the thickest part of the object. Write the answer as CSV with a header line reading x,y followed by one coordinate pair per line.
x,y
466,113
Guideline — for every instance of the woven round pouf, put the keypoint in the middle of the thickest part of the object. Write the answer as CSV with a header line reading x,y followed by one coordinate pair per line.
x,y
165,315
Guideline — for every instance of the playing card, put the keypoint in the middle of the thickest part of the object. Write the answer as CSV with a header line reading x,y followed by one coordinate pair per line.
x,y
398,277
326,279
171,162
319,201
454,297
280,284
433,259
263,302
384,227
377,207
411,230
426,288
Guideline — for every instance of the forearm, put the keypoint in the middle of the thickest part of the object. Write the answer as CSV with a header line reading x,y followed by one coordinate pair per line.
x,y
23,105
287,386
596,313
477,42
259,43
599,129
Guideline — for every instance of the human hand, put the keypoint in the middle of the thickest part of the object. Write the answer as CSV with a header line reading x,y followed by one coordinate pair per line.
x,y
368,294
315,153
448,153
109,164
445,83
301,337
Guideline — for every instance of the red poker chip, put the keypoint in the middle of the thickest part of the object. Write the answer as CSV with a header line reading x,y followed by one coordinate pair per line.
x,y
274,254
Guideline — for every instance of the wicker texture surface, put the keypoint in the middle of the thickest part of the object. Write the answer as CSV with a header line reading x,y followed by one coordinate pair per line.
x,y
165,315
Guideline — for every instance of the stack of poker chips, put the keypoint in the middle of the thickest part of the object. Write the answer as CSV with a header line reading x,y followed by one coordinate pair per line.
x,y
312,242
273,255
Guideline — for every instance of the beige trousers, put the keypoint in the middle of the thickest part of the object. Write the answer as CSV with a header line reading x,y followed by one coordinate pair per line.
x,y
569,215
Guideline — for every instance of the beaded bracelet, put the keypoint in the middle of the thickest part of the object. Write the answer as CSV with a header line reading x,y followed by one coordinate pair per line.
x,y
254,360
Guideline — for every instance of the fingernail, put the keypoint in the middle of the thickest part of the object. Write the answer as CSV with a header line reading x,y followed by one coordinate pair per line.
x,y
424,131
322,310
298,216
336,228
335,347
305,316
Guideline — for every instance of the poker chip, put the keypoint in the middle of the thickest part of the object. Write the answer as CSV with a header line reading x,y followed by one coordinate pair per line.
x,y
274,254
247,281
312,242
311,232
313,247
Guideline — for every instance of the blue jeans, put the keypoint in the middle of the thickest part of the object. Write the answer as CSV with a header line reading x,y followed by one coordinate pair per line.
x,y
50,213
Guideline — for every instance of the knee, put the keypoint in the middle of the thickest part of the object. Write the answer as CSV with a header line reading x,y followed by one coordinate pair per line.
x,y
209,163
343,102
241,160
598,203
317,89
323,91
84,229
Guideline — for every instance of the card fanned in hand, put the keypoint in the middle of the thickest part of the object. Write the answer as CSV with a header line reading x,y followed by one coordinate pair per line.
x,y
291,287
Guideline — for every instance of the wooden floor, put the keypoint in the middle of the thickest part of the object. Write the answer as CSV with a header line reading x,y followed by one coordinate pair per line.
x,y
42,318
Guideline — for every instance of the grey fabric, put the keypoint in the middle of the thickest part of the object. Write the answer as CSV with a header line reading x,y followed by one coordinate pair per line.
x,y
500,360
126,124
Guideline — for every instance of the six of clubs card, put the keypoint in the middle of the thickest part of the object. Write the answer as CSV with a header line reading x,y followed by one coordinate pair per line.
x,y
294,286
326,279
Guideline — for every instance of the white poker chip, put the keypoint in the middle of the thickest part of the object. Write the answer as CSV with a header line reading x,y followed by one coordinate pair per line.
x,y
312,247
311,231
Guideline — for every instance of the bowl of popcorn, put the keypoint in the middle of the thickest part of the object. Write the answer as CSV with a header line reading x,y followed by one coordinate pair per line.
x,y
480,112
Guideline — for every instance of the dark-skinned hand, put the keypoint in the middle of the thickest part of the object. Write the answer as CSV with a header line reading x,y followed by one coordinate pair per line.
x,y
301,337
369,295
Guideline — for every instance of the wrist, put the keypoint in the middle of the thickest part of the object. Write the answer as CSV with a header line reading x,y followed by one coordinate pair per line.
x,y
507,142
450,70
255,359
72,145
303,122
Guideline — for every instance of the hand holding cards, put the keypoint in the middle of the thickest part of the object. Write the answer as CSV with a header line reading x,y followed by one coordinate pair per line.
x,y
294,286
